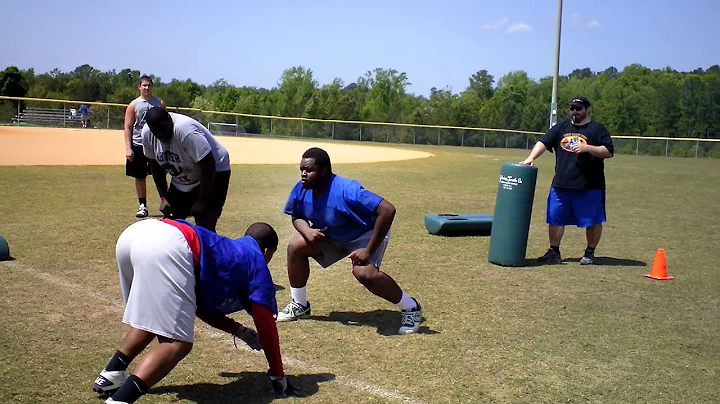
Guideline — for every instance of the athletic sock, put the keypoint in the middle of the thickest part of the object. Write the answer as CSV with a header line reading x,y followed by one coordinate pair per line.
x,y
119,361
131,390
555,248
589,250
406,302
142,201
299,295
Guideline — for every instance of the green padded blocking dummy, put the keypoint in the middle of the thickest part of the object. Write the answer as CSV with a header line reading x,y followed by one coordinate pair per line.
x,y
4,249
513,211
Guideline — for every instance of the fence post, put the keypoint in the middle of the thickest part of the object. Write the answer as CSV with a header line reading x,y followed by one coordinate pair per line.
x,y
108,118
438,137
18,117
333,131
272,128
506,140
413,135
361,132
697,146
64,114
667,143
387,137
302,129
462,139
483,139
527,142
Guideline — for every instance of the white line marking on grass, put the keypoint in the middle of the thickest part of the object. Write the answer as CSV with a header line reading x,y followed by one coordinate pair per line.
x,y
295,363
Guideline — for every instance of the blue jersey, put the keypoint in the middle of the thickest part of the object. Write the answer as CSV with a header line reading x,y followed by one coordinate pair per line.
x,y
83,109
233,274
345,208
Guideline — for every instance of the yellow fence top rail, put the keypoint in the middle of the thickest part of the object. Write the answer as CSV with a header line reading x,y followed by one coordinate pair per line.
x,y
286,118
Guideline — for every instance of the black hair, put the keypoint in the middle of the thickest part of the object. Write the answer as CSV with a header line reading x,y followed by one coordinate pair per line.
x,y
264,234
322,159
156,115
146,77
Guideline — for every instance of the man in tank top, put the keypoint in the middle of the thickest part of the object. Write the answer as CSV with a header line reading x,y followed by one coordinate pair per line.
x,y
136,164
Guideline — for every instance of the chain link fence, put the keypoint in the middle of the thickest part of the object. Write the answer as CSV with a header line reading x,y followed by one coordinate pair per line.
x,y
61,113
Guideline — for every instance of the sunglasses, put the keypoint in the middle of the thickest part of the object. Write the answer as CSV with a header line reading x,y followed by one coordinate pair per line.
x,y
575,108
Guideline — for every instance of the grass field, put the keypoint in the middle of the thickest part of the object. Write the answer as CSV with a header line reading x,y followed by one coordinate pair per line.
x,y
553,334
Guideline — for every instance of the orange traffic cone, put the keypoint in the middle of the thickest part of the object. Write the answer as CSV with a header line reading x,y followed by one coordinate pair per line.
x,y
659,267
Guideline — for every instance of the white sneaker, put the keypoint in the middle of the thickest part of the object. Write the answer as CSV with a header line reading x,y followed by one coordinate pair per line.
x,y
142,211
109,381
111,401
411,320
294,311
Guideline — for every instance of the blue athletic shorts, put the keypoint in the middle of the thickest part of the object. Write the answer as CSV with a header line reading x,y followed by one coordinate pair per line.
x,y
574,207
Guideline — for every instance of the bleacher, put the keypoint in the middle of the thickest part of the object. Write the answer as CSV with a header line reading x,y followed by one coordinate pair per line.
x,y
49,117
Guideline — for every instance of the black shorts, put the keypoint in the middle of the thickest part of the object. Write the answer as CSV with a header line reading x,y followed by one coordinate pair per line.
x,y
181,202
139,167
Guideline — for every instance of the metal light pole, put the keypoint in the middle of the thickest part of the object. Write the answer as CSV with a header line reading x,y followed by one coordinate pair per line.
x,y
553,102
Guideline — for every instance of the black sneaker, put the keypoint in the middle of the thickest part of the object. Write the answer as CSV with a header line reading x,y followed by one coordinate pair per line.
x,y
550,257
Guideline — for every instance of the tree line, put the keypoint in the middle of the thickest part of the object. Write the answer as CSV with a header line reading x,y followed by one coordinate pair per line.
x,y
634,101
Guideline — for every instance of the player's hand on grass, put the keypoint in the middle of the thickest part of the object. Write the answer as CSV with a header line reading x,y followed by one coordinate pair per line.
x,y
283,387
249,336
129,154
360,256
315,235
165,207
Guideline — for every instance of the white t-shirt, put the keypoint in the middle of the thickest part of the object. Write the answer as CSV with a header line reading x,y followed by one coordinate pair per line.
x,y
179,156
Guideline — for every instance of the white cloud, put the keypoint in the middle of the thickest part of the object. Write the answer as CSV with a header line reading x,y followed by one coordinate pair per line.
x,y
495,25
576,20
521,27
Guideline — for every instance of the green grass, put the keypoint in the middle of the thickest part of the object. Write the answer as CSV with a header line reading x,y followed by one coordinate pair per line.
x,y
551,334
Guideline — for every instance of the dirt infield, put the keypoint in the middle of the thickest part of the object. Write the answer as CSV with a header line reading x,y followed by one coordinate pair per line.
x,y
61,146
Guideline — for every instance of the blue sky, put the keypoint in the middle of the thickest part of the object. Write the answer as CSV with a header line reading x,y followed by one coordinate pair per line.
x,y
437,43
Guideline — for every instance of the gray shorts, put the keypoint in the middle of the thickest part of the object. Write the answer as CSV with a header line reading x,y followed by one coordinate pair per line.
x,y
333,251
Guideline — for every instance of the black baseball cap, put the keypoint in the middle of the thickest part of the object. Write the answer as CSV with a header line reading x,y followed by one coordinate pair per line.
x,y
580,100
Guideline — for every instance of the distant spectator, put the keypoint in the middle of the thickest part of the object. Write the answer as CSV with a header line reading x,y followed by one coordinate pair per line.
x,y
84,116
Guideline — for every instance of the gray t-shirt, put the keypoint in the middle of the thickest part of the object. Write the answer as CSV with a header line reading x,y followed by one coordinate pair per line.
x,y
179,156
142,106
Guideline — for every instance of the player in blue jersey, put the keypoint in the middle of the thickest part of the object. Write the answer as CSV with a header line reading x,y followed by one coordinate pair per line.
x,y
172,271
336,217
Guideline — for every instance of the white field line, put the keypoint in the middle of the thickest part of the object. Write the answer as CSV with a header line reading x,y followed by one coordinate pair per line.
x,y
295,363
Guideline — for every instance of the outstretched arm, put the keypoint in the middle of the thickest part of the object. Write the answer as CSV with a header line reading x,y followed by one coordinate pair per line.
x,y
159,177
269,339
222,323
536,152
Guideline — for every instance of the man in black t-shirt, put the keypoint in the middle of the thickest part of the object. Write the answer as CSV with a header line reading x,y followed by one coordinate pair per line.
x,y
577,194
